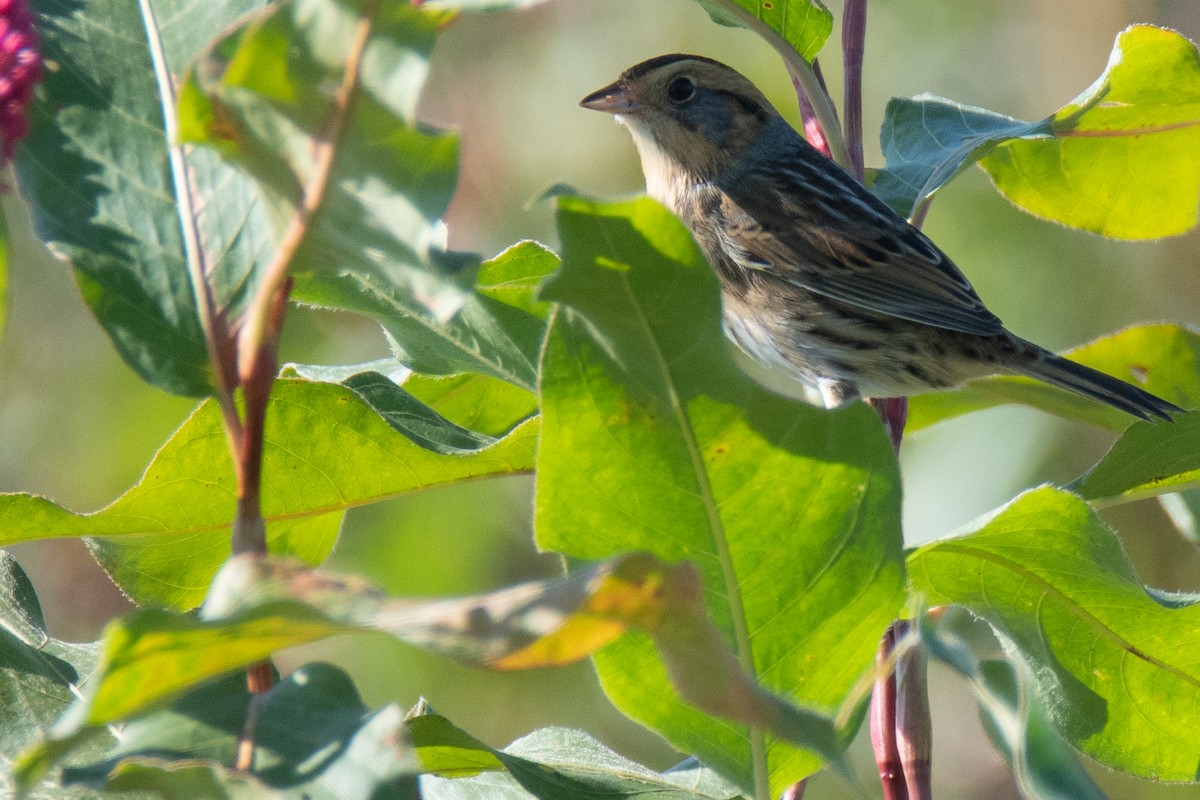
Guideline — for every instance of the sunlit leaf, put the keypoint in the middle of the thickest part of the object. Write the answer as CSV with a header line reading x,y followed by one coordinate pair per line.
x,y
326,450
1162,359
1112,662
1124,160
804,24
263,96
653,439
1120,160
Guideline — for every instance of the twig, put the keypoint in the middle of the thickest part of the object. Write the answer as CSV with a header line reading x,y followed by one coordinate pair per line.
x,y
883,720
254,327
913,723
854,34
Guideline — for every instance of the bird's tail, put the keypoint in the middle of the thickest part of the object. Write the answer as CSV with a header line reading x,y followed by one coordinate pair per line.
x,y
1090,383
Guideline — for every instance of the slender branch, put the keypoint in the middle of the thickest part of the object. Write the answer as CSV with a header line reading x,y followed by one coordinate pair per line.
x,y
914,726
883,720
854,34
249,528
254,328
802,74
217,338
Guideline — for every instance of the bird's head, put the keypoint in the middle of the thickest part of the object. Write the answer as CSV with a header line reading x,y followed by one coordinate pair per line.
x,y
687,114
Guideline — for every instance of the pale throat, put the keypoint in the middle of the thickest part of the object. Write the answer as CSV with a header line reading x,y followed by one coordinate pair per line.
x,y
660,169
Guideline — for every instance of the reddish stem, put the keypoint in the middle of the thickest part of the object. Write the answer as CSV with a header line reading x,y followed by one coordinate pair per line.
x,y
914,726
883,721
854,34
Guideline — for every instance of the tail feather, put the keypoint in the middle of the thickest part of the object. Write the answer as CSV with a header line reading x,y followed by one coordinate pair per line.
x,y
1099,386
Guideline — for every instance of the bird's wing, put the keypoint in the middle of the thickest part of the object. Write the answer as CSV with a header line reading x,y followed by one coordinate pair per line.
x,y
821,230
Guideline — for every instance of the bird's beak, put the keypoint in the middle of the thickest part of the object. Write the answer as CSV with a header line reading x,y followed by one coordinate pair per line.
x,y
612,99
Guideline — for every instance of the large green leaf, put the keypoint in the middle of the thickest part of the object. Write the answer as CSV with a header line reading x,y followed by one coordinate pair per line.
x,y
326,450
1163,359
804,24
95,173
261,97
1124,160
1113,663
1120,160
654,440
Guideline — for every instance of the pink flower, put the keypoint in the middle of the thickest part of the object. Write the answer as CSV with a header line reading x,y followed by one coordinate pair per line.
x,y
20,70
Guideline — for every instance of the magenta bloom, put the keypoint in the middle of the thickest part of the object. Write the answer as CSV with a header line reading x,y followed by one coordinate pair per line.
x,y
20,70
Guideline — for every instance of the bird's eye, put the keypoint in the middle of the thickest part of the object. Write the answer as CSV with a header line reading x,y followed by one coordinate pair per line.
x,y
681,89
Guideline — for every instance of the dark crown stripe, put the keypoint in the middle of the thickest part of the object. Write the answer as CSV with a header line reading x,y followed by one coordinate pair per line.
x,y
646,67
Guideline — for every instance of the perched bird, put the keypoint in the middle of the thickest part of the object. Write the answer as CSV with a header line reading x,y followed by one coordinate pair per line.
x,y
818,276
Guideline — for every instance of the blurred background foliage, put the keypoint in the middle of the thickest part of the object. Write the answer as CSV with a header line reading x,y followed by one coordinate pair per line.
x,y
78,426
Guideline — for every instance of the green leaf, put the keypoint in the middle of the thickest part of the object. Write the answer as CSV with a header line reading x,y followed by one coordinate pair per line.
x,y
928,140
95,173
553,764
39,675
1112,662
497,332
1120,160
314,738
1124,160
804,24
1147,460
513,277
1041,763
261,96
1163,359
654,440
326,450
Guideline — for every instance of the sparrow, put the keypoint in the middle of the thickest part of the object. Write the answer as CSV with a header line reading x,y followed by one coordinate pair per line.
x,y
819,277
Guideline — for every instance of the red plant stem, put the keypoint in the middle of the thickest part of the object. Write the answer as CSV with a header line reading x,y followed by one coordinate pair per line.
x,y
914,724
854,34
249,529
259,678
883,721
893,411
